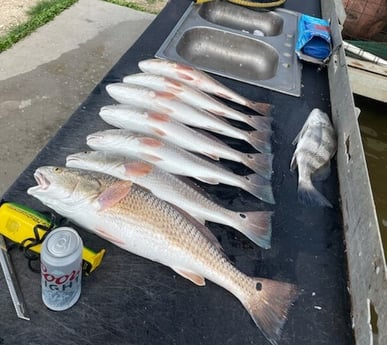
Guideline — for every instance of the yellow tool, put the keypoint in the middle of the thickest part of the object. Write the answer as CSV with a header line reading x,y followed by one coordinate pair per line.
x,y
23,225
247,3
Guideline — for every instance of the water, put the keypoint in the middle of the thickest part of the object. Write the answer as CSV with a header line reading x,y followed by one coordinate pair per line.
x,y
373,126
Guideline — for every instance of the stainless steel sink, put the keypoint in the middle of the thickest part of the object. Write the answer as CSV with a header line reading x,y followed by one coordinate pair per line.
x,y
238,56
241,18
238,43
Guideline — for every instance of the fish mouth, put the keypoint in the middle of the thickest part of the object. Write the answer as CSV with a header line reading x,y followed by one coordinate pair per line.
x,y
42,181
93,138
105,110
72,158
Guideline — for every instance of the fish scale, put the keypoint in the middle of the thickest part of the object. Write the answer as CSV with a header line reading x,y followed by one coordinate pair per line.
x,y
316,145
137,221
256,225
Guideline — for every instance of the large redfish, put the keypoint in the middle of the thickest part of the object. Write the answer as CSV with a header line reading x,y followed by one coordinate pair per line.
x,y
135,220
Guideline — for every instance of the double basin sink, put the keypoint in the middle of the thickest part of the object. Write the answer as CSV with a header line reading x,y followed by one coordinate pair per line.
x,y
255,47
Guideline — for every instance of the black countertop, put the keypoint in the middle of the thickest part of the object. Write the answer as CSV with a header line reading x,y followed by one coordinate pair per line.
x,y
130,300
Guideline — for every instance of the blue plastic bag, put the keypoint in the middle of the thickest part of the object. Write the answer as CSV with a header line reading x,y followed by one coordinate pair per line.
x,y
314,39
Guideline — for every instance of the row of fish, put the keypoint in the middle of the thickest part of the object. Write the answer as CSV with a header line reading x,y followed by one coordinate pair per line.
x,y
127,191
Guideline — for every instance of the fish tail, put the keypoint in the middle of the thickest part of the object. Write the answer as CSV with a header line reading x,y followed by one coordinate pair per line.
x,y
261,108
268,302
261,163
309,195
261,141
256,226
259,123
259,187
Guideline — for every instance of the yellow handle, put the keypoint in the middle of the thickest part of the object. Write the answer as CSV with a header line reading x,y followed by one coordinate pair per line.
x,y
17,223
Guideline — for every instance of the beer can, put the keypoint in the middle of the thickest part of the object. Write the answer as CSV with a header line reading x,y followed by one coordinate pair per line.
x,y
61,268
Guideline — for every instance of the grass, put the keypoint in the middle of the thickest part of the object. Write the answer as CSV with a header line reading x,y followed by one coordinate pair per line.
x,y
46,10
135,6
39,15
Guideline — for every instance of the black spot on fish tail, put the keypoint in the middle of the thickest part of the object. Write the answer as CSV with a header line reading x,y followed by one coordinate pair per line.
x,y
259,187
268,303
256,226
261,163
261,141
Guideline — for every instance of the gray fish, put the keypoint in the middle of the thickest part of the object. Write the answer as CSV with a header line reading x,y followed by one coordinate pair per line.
x,y
316,145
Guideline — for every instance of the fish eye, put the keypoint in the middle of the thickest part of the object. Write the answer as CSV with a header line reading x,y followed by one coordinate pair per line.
x,y
57,170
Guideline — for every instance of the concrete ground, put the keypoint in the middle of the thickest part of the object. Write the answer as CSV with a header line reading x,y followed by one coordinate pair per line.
x,y
45,77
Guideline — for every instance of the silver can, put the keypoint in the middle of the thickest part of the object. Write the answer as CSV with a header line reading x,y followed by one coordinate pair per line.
x,y
61,268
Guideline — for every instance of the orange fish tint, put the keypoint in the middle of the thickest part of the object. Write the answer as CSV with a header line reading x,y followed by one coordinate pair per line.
x,y
150,142
138,169
159,117
114,194
165,94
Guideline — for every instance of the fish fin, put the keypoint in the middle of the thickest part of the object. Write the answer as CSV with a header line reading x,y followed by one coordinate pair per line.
x,y
259,187
207,180
137,169
199,223
261,141
323,173
309,195
158,132
223,95
152,142
175,84
193,277
293,163
261,163
256,226
113,194
150,158
105,235
301,133
259,123
159,116
260,108
165,95
268,302
210,155
185,76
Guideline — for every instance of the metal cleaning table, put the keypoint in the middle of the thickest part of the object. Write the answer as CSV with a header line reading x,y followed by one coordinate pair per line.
x,y
131,300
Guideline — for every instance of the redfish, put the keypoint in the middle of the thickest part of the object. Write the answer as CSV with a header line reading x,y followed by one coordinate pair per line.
x,y
177,161
256,225
140,223
166,128
196,98
168,103
200,80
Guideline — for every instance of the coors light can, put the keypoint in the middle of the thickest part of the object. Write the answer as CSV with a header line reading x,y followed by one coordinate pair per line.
x,y
61,268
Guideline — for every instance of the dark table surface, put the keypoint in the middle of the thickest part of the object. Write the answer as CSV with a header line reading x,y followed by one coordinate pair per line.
x,y
130,300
